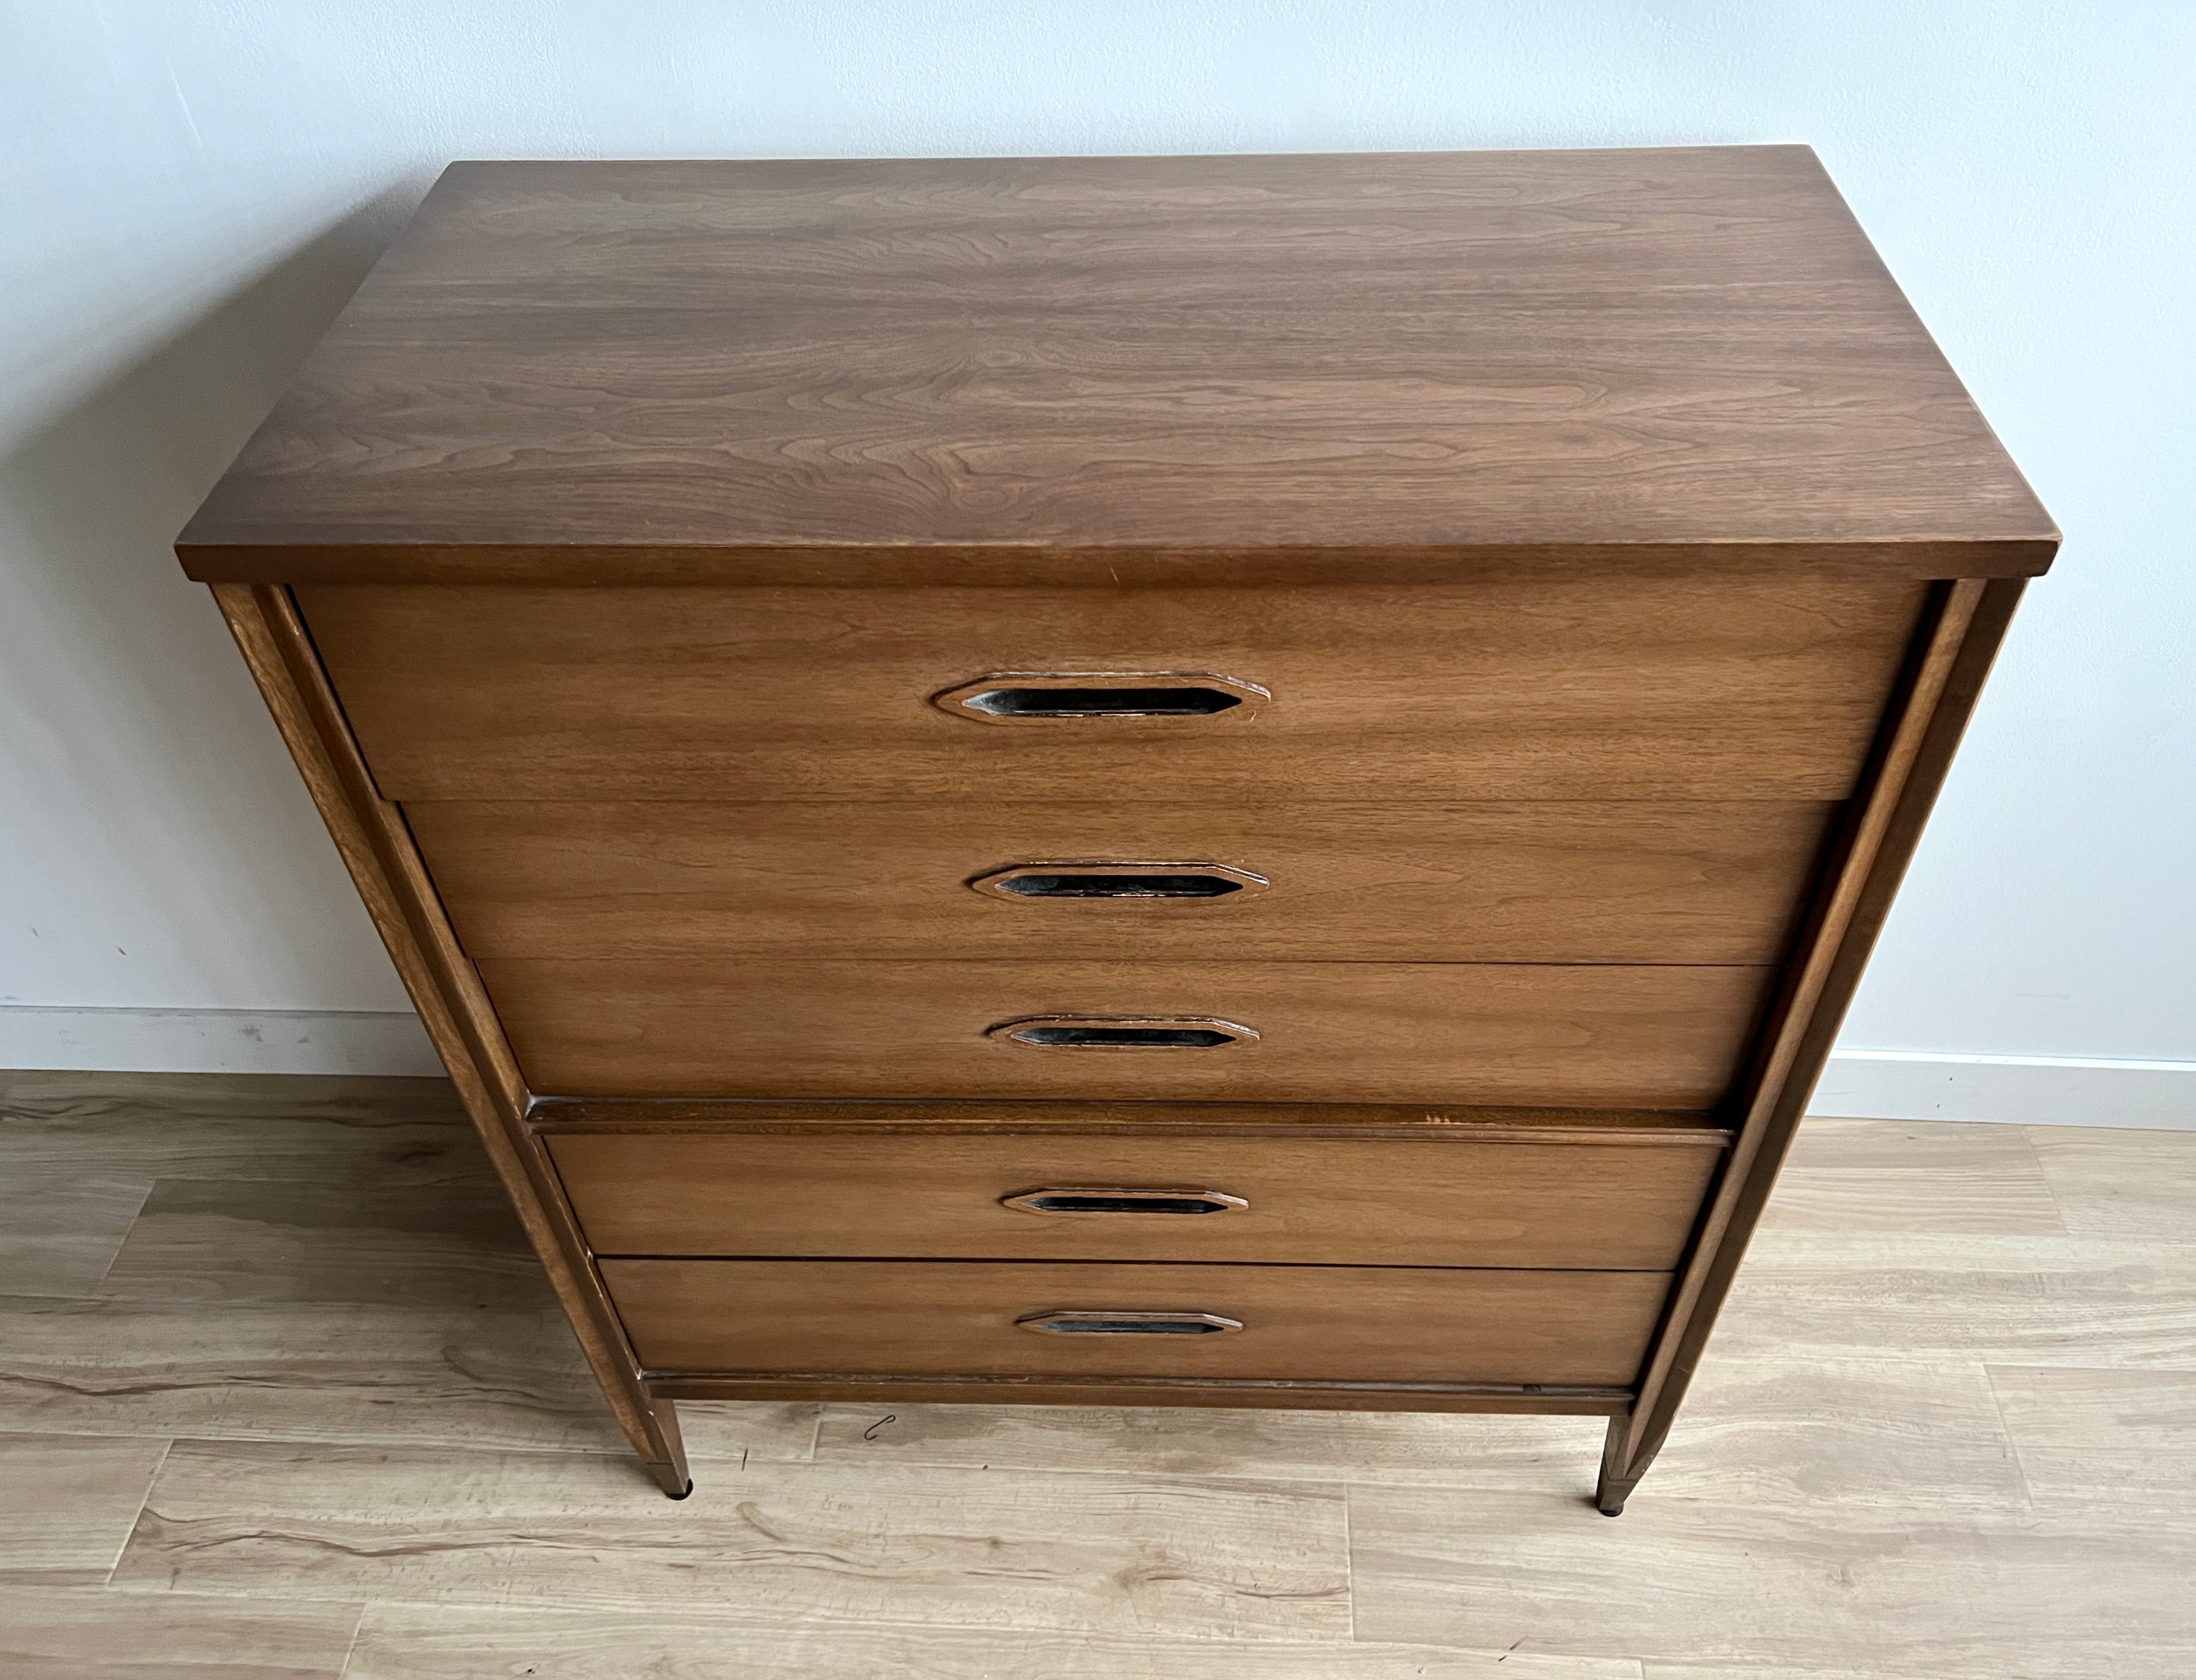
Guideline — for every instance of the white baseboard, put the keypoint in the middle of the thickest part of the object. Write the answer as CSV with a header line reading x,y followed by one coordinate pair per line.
x,y
216,1041
1860,1084
2025,1090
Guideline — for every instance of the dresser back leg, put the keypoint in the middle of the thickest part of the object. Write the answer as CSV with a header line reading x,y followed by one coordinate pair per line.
x,y
670,1470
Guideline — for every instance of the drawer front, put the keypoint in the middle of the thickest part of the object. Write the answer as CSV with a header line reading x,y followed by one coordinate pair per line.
x,y
1436,1202
971,1318
1736,688
1588,1035
1556,882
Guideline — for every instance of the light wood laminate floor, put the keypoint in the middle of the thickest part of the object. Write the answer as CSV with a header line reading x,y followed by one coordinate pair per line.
x,y
283,1396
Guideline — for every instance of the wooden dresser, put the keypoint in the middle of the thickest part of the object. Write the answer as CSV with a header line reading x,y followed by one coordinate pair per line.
x,y
1164,781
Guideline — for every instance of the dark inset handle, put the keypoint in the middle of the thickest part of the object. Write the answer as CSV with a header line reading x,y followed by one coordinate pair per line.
x,y
1128,1324
1105,1199
1128,881
1086,1037
1051,696
1115,1032
1183,701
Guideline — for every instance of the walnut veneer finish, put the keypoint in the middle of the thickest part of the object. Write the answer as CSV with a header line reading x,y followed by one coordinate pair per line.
x,y
1358,1323
1628,688
1622,881
1615,1202
1232,781
1629,1037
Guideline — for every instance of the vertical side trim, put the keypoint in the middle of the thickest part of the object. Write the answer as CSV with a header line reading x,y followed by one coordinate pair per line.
x,y
1955,646
377,848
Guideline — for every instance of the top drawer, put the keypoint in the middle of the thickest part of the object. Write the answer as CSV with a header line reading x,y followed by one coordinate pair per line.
x,y
1617,688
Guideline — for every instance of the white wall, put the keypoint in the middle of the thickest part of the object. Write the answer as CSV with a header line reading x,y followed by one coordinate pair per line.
x,y
193,189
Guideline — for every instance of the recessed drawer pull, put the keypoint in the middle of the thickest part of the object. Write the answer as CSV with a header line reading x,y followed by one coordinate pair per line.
x,y
1129,1323
1113,1032
1051,696
1086,1199
1136,881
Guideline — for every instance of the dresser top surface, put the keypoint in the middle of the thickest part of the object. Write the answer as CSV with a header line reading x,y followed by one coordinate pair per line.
x,y
1535,352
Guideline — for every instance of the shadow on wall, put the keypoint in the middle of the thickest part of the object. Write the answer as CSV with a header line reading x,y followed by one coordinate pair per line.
x,y
126,465
131,707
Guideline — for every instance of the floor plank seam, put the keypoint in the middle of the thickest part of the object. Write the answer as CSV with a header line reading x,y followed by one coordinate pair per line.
x,y
2044,1173
129,1533
2012,1444
350,1650
245,1436
168,1438
1350,1563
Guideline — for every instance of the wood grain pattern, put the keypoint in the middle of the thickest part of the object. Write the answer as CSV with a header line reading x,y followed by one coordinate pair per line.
x,y
219,1240
1887,1434
61,1225
1435,1203
1365,1324
1936,1176
413,1369
2098,1440
2006,1300
1338,1032
2127,1659
2119,1184
1660,689
69,1501
75,1634
1429,352
2038,1595
320,1258
241,1126
1525,1451
1576,882
1119,1555
405,1642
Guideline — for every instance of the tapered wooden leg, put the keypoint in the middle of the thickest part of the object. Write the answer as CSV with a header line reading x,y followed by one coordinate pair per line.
x,y
670,1471
377,845
1956,638
1618,1477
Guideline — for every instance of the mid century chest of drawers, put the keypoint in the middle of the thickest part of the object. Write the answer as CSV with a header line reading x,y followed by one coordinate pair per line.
x,y
1197,781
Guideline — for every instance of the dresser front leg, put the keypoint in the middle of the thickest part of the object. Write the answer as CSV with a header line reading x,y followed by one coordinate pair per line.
x,y
669,1469
1618,1478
